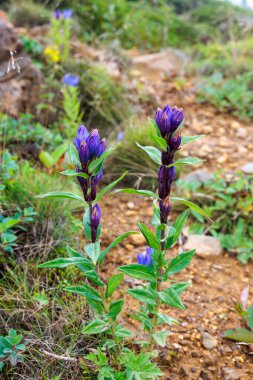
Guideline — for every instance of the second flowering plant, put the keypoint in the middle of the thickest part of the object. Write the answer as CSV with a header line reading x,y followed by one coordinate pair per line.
x,y
113,358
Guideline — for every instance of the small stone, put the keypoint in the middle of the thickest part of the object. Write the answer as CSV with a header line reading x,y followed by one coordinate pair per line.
x,y
209,342
137,240
193,369
204,245
242,132
201,175
130,205
247,168
235,125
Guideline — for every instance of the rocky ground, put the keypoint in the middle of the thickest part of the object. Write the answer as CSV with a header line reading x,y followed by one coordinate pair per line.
x,y
196,348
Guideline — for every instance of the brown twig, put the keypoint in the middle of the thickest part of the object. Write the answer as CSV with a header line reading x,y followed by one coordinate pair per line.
x,y
59,357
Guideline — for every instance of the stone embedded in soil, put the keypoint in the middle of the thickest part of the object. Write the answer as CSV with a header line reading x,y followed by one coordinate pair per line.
x,y
201,175
208,341
137,240
204,245
247,168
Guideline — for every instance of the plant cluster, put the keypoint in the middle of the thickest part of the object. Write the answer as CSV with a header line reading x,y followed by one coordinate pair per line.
x,y
230,204
232,95
11,347
24,130
154,267
10,225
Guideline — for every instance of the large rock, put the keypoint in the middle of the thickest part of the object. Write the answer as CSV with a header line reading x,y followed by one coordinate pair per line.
x,y
166,62
19,89
204,245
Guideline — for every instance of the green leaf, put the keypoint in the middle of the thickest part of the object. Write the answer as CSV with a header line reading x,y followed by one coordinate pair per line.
x,y
96,327
108,188
145,193
63,262
179,262
93,298
155,127
143,295
121,332
152,152
149,236
93,251
59,152
96,165
46,159
163,318
86,223
170,297
240,334
86,265
73,173
85,291
189,139
117,241
160,337
141,272
178,225
186,161
73,154
113,283
180,287
190,205
115,308
159,141
61,194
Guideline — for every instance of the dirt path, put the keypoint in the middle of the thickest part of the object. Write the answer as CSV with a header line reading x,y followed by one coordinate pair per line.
x,y
216,285
228,142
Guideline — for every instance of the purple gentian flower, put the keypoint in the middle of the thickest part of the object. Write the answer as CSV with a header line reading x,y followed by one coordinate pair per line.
x,y
57,14
89,147
166,177
95,221
168,119
145,258
120,136
67,13
71,80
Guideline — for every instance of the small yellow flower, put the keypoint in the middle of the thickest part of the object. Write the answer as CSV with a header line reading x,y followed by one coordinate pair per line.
x,y
52,53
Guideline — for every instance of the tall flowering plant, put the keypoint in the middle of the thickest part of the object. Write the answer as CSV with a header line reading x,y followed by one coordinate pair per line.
x,y
61,32
113,359
155,266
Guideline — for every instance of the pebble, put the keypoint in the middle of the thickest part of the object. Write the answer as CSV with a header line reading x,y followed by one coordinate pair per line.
x,y
137,240
204,245
208,341
247,168
130,205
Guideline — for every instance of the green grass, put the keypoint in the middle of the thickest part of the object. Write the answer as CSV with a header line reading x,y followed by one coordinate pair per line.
x,y
54,225
54,328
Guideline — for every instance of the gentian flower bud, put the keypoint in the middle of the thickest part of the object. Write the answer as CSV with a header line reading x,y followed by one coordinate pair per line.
x,y
165,178
175,143
93,142
168,119
102,147
67,13
177,117
163,120
71,80
94,221
145,258
165,208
